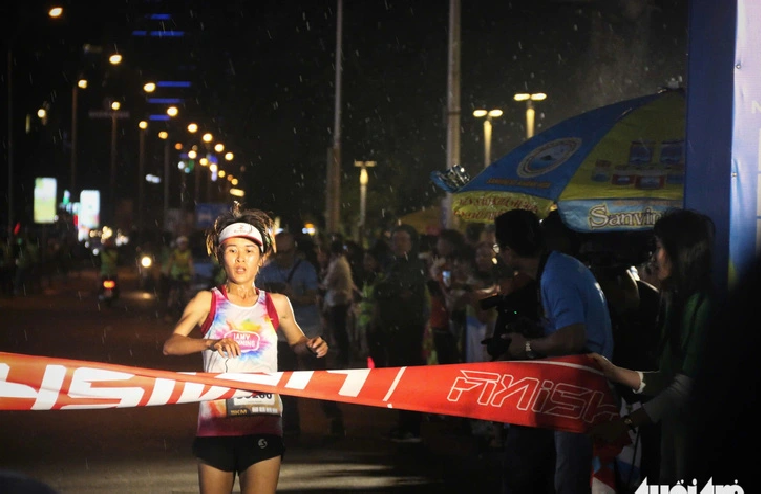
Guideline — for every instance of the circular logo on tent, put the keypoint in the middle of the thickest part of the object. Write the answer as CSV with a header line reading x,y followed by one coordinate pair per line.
x,y
547,157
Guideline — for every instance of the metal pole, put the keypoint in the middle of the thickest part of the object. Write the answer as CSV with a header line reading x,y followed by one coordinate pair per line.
x,y
166,181
9,83
74,106
453,103
141,183
112,185
208,179
529,119
487,142
335,216
362,198
197,188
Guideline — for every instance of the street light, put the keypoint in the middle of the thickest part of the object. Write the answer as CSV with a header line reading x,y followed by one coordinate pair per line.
x,y
115,59
149,87
487,131
363,179
529,98
172,111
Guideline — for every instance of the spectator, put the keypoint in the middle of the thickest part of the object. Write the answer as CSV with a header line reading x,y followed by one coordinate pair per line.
x,y
338,286
7,267
289,274
684,244
401,313
576,321
366,323
447,323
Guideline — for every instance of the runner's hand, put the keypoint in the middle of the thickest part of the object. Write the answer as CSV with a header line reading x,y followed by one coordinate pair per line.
x,y
226,348
318,346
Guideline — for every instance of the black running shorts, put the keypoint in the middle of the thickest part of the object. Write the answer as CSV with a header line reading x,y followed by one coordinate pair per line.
x,y
237,453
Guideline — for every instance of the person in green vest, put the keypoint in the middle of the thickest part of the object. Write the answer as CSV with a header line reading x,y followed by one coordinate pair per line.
x,y
179,267
109,263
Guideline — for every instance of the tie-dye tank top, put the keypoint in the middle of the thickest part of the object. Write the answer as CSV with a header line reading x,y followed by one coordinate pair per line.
x,y
254,328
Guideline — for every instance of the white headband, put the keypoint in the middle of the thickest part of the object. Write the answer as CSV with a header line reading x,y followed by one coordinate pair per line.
x,y
241,230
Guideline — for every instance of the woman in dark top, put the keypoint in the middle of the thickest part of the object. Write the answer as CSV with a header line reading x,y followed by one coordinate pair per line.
x,y
684,244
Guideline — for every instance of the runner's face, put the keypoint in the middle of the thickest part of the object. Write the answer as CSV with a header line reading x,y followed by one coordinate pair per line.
x,y
241,258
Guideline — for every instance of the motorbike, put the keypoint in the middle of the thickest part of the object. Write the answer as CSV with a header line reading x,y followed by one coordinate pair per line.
x,y
109,290
146,266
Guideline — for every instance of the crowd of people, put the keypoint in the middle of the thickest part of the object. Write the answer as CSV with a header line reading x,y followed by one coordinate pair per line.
x,y
29,263
641,305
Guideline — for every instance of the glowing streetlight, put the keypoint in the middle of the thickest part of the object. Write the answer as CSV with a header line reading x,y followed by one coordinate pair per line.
x,y
208,138
115,59
42,113
149,87
363,179
529,98
116,106
219,147
172,111
192,128
82,84
163,135
229,156
487,131
55,12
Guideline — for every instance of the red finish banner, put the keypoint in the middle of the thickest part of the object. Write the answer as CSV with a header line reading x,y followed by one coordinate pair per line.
x,y
564,393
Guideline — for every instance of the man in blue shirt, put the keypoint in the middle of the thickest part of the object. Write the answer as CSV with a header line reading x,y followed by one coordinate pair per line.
x,y
575,319
295,277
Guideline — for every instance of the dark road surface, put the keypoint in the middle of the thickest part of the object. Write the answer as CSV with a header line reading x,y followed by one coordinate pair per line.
x,y
147,450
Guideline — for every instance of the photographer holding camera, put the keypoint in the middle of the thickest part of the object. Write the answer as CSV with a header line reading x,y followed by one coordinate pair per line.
x,y
575,320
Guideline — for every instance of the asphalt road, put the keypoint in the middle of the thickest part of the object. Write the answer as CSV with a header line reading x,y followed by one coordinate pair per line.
x,y
147,450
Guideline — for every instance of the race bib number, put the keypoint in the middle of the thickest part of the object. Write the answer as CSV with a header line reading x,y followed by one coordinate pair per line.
x,y
255,404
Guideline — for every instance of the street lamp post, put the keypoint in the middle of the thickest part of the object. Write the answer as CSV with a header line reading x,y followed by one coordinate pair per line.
x,y
487,131
529,98
165,137
141,178
208,139
81,84
115,106
363,179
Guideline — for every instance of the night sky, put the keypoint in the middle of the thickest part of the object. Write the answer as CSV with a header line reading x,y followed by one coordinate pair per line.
x,y
263,82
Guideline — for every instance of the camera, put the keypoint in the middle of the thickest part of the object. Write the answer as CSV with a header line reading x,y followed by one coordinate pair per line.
x,y
517,312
